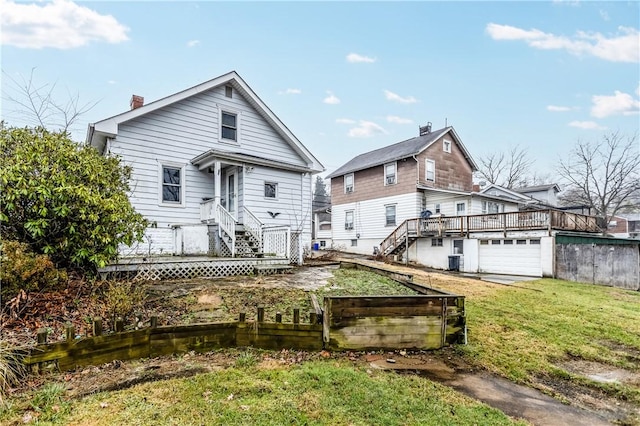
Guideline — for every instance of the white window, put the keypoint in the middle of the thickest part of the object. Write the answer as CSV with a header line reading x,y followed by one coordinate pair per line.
x,y
430,171
490,207
457,246
446,145
172,181
461,208
228,91
229,127
348,220
270,190
348,183
437,209
390,213
390,177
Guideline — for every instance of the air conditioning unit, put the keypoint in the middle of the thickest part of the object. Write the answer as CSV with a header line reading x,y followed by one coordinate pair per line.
x,y
349,189
391,180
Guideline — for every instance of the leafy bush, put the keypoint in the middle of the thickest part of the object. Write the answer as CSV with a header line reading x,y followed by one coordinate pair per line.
x,y
64,200
123,297
21,269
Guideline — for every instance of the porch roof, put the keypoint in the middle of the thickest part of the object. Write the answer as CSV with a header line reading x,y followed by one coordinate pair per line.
x,y
208,158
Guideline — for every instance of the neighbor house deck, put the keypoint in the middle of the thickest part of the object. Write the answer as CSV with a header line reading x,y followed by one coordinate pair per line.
x,y
549,220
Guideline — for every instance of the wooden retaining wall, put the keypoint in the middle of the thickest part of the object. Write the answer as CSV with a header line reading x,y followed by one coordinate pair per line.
x,y
391,322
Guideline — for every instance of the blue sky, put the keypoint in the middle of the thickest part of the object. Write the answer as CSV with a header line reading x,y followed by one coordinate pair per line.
x,y
351,77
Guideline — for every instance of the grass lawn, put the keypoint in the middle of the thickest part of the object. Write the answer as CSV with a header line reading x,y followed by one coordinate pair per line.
x,y
526,333
327,392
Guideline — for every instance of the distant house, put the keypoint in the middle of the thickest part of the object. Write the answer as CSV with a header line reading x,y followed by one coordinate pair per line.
x,y
215,171
416,200
543,194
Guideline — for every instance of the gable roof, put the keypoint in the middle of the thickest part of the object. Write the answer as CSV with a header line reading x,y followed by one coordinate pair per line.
x,y
98,132
510,193
399,151
538,188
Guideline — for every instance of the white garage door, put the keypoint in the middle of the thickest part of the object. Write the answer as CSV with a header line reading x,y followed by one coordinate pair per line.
x,y
510,256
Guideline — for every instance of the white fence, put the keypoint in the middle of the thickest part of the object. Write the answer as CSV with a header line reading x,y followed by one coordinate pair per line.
x,y
276,240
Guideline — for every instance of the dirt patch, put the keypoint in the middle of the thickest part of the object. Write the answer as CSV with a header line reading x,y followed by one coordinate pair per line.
x,y
601,373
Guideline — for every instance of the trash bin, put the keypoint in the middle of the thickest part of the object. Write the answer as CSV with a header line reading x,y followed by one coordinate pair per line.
x,y
316,246
454,263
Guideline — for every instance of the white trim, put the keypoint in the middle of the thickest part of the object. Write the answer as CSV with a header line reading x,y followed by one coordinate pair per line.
x,y
426,170
231,111
395,214
96,132
183,183
348,190
353,220
395,173
446,145
264,187
464,203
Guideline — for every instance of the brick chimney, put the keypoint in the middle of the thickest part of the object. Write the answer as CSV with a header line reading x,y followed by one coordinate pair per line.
x,y
136,101
476,188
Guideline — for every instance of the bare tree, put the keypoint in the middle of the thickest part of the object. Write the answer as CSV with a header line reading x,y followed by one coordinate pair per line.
x,y
604,176
35,103
508,169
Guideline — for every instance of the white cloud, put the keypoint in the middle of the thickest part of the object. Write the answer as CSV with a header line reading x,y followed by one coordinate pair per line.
x,y
555,108
290,92
193,43
60,24
345,121
354,58
638,90
618,104
366,129
574,3
397,98
398,120
112,82
588,125
621,47
331,99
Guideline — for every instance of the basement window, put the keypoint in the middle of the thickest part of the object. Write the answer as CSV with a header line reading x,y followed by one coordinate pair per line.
x,y
436,242
354,243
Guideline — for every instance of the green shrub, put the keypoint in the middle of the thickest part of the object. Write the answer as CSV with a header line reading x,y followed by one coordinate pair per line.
x,y
64,199
21,269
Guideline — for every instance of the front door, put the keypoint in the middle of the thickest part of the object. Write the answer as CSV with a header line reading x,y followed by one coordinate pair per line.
x,y
232,191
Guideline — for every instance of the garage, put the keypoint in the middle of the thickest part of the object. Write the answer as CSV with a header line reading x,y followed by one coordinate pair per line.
x,y
510,256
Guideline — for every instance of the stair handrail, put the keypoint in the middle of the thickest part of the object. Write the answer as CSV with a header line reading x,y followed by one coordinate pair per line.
x,y
253,225
227,224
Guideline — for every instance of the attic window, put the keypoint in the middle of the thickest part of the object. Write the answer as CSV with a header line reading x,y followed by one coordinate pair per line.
x,y
228,91
446,145
229,126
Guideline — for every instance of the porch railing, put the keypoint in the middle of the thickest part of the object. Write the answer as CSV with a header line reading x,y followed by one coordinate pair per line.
x,y
208,210
226,225
253,226
277,240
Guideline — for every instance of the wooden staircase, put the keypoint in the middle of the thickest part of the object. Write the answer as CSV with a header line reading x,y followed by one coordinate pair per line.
x,y
400,239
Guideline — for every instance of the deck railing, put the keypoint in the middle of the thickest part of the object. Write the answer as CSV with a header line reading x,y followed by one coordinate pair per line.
x,y
511,221
208,210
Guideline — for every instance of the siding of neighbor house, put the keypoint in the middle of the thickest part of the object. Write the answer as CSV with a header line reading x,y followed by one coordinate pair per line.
x,y
453,171
370,220
178,133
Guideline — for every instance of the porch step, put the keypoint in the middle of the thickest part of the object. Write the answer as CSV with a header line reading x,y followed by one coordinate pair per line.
x,y
272,269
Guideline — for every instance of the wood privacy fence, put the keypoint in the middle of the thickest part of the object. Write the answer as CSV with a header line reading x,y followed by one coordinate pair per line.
x,y
430,320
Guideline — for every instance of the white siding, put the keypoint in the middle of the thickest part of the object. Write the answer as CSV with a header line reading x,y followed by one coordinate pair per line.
x,y
177,134
447,202
476,205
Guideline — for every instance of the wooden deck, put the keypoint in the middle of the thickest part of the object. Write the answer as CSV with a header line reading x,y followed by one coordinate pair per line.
x,y
549,220
177,267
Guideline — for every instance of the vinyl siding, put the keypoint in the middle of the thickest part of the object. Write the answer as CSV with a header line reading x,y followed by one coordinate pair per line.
x,y
181,131
370,219
447,203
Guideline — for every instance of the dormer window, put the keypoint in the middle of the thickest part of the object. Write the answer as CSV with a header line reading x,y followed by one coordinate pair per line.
x,y
390,177
348,183
446,145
